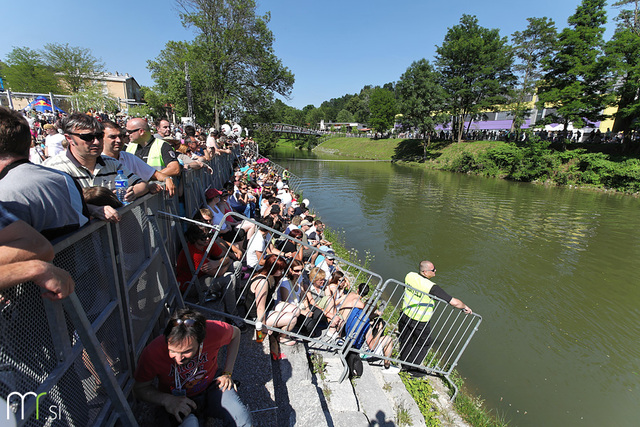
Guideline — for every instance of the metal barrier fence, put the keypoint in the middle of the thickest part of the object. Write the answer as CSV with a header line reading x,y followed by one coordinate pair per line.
x,y
79,356
371,319
435,344
229,288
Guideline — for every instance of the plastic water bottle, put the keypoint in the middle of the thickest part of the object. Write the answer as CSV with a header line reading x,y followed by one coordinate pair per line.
x,y
122,183
259,333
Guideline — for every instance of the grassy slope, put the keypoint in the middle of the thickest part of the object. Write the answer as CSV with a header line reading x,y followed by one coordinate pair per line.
x,y
363,148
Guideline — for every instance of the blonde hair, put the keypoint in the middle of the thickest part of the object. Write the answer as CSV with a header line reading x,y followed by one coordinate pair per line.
x,y
317,273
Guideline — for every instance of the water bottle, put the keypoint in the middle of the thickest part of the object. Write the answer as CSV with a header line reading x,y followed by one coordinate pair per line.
x,y
122,183
259,333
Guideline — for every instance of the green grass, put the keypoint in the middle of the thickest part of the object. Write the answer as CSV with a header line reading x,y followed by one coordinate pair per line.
x,y
362,148
587,168
422,393
471,408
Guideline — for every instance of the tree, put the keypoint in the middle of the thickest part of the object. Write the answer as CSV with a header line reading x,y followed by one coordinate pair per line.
x,y
576,81
475,64
530,47
623,51
76,64
382,106
232,64
25,71
344,116
422,99
92,97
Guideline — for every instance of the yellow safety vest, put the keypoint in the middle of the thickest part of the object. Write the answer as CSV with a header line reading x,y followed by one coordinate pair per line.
x,y
417,305
155,153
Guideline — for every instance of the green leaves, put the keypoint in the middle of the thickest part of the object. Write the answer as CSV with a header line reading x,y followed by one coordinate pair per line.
x,y
232,66
475,64
382,106
577,81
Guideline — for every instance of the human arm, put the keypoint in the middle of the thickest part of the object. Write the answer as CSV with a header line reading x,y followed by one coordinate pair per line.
x,y
459,304
224,381
138,190
172,168
55,282
21,242
178,406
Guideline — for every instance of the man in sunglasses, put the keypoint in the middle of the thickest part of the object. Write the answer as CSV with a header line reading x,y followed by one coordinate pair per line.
x,y
156,152
85,163
417,309
185,362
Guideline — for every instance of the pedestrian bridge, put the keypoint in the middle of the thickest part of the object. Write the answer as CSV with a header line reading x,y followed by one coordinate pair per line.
x,y
285,128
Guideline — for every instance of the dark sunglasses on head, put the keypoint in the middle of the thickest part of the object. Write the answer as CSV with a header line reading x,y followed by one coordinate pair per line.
x,y
187,322
88,137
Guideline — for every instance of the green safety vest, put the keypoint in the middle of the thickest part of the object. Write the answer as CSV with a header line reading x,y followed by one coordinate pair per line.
x,y
155,153
416,305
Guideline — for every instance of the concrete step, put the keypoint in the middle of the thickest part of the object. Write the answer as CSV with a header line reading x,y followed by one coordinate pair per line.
x,y
300,401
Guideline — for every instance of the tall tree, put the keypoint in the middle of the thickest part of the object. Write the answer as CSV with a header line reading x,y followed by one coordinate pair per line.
x,y
623,50
530,47
422,99
75,64
475,64
25,71
577,81
232,64
382,106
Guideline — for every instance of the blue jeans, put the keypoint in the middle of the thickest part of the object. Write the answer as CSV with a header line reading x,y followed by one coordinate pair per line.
x,y
217,404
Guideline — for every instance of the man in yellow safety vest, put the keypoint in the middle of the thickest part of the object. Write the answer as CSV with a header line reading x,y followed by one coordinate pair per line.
x,y
417,309
156,152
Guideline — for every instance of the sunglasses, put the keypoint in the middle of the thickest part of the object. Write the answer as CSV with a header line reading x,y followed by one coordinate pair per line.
x,y
297,271
186,322
132,130
88,137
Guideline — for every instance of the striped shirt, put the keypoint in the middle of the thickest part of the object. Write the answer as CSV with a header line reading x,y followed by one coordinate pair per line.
x,y
103,174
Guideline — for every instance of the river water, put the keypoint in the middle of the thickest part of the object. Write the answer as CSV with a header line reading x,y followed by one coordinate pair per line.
x,y
553,271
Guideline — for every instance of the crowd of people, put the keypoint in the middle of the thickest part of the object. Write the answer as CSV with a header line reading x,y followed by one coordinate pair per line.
x,y
275,268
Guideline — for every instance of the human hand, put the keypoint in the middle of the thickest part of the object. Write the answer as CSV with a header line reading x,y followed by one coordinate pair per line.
x,y
154,188
225,382
170,187
55,282
130,195
179,406
467,309
105,213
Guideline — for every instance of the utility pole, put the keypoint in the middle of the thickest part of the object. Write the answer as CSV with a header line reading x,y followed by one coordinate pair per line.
x,y
189,98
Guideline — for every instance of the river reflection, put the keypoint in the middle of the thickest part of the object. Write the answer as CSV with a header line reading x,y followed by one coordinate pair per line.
x,y
554,273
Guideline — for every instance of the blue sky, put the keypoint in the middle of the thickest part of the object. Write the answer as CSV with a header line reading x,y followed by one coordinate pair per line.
x,y
332,47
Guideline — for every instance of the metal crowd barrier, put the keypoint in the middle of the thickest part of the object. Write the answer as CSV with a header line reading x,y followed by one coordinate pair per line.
x,y
376,331
434,349
79,355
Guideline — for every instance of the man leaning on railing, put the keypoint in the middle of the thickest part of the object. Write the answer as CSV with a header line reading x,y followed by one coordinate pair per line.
x,y
417,309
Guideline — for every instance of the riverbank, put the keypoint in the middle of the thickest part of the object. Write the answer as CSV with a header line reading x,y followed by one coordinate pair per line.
x,y
430,393
600,167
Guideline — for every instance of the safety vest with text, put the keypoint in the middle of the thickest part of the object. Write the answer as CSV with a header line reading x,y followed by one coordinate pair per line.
x,y
418,306
155,153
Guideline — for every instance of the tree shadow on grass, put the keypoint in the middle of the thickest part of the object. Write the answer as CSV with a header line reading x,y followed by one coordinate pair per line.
x,y
412,150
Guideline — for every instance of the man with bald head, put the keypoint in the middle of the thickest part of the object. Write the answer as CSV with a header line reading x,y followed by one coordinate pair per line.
x,y
417,309
156,152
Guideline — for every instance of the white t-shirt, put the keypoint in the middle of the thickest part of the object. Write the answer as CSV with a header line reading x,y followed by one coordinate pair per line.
x,y
54,144
136,165
258,243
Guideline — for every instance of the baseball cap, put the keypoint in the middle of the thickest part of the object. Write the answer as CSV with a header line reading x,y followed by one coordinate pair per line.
x,y
211,193
305,222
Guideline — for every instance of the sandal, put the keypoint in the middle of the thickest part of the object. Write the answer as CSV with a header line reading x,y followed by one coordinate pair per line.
x,y
276,356
287,341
